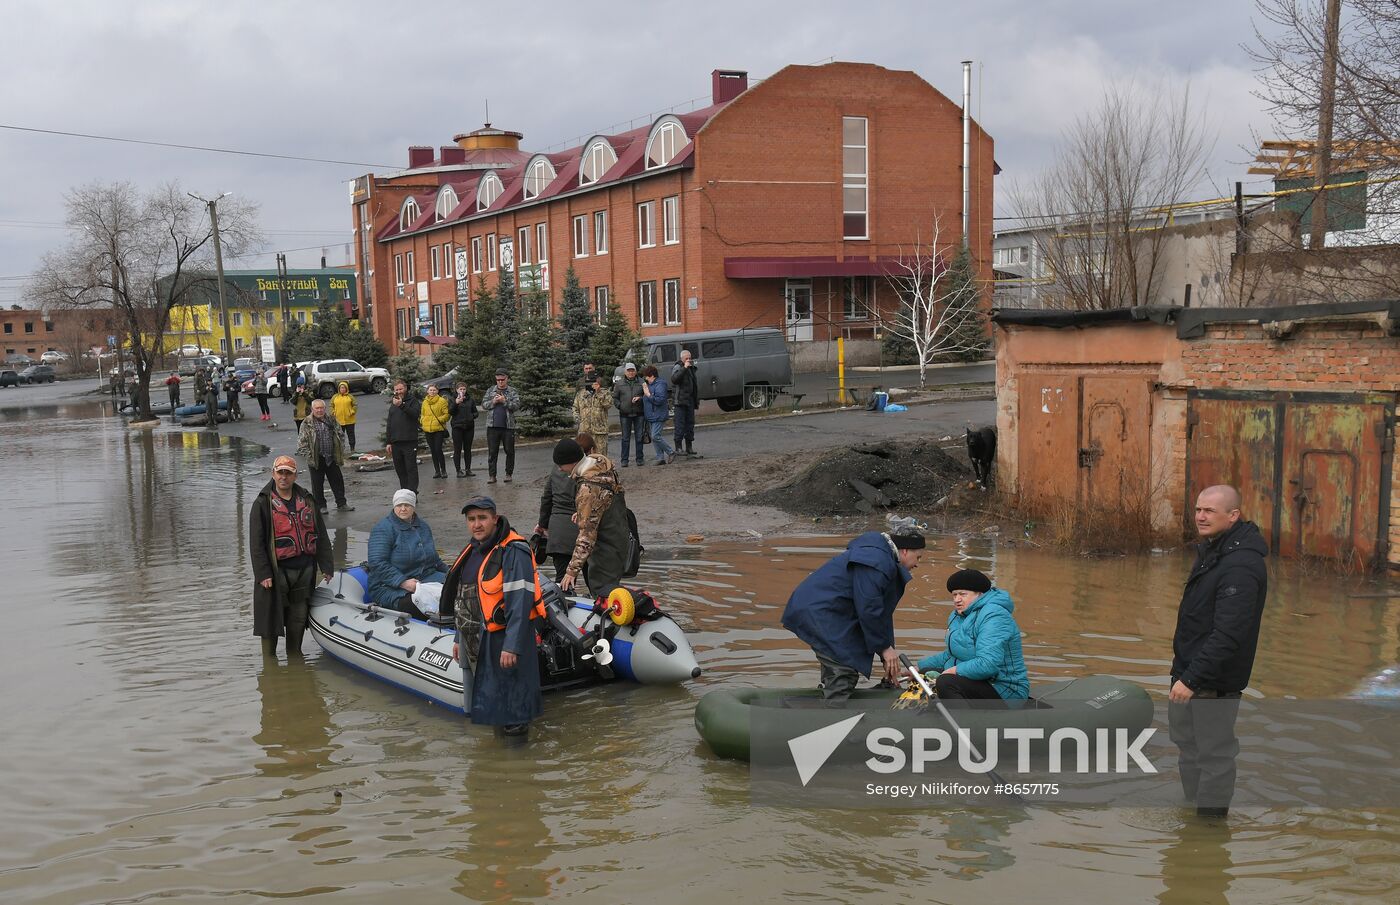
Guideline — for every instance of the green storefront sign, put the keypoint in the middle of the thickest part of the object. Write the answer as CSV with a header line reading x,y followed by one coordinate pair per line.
x,y
1346,207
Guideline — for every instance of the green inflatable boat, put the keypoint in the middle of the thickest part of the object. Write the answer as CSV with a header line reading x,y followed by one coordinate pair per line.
x,y
723,716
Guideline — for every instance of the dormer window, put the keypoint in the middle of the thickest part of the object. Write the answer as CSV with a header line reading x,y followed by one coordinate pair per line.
x,y
489,191
408,214
598,158
666,139
446,204
538,175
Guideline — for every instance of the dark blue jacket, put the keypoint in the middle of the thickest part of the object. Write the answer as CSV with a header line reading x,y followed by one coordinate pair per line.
x,y
654,407
845,609
400,550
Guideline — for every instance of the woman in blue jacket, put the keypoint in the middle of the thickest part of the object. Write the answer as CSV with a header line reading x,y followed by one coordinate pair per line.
x,y
402,555
983,659
656,409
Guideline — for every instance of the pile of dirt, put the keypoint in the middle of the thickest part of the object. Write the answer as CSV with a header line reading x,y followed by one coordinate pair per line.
x,y
913,476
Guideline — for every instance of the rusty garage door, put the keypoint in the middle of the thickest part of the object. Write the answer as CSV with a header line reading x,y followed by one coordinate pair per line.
x,y
1083,439
1313,468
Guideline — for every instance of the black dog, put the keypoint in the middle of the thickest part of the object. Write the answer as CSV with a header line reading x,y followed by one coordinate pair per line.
x,y
982,450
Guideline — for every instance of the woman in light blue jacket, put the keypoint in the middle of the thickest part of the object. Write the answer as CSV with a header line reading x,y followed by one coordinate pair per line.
x,y
983,659
402,554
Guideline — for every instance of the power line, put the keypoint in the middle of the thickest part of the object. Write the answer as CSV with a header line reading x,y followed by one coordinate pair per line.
x,y
212,150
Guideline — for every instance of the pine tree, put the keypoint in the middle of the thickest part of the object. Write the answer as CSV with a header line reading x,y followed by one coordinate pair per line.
x,y
544,396
296,343
578,324
408,366
361,345
969,334
507,316
614,342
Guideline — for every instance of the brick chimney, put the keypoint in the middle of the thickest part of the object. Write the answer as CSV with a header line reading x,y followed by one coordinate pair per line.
x,y
727,84
419,156
451,154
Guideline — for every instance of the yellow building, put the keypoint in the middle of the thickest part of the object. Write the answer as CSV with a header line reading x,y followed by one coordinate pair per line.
x,y
253,299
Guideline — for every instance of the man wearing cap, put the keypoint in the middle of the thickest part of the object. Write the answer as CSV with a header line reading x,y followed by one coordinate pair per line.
x,y
500,405
495,595
599,551
844,610
983,659
627,397
322,443
685,379
288,545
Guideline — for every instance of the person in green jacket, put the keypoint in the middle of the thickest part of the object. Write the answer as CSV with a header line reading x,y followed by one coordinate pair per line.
x,y
983,658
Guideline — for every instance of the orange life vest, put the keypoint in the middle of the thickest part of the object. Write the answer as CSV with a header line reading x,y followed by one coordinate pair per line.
x,y
491,585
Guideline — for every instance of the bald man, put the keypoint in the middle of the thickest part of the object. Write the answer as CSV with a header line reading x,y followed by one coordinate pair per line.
x,y
1217,630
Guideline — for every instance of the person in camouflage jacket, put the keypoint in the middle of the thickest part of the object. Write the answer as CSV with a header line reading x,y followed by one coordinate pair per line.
x,y
600,553
591,406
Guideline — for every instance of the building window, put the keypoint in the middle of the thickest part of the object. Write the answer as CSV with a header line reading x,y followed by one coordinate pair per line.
x,y
857,298
601,294
597,160
301,317
447,315
600,232
48,326
581,236
267,319
522,245
435,263
489,191
646,303
398,274
671,219
542,241
855,178
28,326
408,214
410,274
9,328
666,139
671,292
223,345
437,320
476,255
446,204
490,251
1001,257
238,318
401,319
646,224
538,175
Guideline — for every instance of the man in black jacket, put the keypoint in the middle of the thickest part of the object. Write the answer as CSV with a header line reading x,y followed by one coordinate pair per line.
x,y
686,382
401,433
1217,631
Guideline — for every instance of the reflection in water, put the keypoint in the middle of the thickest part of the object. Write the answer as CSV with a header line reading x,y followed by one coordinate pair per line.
x,y
983,834
507,840
295,729
1196,864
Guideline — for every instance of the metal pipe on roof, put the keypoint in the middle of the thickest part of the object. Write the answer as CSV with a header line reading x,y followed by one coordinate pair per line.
x,y
967,151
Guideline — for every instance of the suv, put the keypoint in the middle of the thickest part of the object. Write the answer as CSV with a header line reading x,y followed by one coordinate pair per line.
x,y
9,378
53,357
37,374
736,368
322,377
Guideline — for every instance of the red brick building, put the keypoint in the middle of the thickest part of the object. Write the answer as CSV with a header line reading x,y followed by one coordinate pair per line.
x,y
781,203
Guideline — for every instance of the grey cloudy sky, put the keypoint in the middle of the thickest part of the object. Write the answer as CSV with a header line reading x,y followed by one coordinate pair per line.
x,y
362,81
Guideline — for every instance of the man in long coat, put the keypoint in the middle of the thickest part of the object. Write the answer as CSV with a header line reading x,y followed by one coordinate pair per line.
x,y
288,545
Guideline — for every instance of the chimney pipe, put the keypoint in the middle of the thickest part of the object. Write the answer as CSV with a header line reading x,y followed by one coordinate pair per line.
x,y
967,153
419,156
727,84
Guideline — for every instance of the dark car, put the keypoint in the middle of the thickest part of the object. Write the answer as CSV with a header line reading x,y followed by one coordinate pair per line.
x,y
443,383
37,374
9,378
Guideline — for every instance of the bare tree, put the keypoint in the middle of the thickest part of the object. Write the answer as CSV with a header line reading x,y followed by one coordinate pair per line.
x,y
1100,206
141,255
939,311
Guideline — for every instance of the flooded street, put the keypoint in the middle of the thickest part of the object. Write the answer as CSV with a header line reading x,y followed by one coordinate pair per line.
x,y
153,754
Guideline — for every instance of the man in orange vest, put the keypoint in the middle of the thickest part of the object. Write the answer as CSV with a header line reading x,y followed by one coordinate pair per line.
x,y
496,597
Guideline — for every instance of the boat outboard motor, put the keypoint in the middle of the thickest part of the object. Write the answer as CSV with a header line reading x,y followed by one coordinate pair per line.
x,y
556,611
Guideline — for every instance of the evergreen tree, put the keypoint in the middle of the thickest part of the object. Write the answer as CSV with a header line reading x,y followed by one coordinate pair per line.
x,y
361,345
507,316
578,324
897,349
615,342
407,366
969,334
544,396
296,343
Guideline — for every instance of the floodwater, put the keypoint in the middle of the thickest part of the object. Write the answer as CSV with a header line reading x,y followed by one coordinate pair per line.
x,y
151,753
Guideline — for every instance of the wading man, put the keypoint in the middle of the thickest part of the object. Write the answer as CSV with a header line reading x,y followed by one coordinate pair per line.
x,y
844,611
288,545
1217,630
496,596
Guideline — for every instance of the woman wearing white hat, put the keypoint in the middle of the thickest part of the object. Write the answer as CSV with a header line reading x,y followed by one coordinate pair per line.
x,y
402,555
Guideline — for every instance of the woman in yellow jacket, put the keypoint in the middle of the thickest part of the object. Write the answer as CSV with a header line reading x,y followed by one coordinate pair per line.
x,y
435,420
344,408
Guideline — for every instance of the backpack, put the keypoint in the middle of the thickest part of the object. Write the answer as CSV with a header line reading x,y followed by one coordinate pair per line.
x,y
634,546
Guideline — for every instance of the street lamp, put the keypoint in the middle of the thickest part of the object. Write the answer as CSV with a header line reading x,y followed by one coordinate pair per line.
x,y
218,266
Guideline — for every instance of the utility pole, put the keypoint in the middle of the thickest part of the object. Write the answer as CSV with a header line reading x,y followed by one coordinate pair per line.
x,y
967,154
218,269
1322,161
281,287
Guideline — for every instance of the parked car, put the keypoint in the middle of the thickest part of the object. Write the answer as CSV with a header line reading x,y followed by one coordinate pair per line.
x,y
19,361
53,357
736,368
9,377
244,369
193,351
322,377
274,388
37,374
443,383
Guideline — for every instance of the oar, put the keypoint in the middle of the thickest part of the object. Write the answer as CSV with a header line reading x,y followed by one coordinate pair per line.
x,y
948,717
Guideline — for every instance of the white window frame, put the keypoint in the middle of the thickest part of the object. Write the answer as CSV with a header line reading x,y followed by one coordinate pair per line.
x,y
443,208
646,290
671,297
489,190
448,271
671,220
476,254
646,224
580,234
398,272
490,251
301,319
434,262
542,241
538,175
600,157
862,309
238,318
851,181
522,245
409,272
672,138
600,232
407,219
603,299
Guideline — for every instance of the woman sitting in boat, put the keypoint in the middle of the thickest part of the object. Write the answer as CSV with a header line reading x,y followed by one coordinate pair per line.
x,y
983,659
402,555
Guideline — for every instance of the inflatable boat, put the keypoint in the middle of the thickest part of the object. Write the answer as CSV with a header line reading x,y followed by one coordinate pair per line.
x,y
723,717
190,415
583,642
